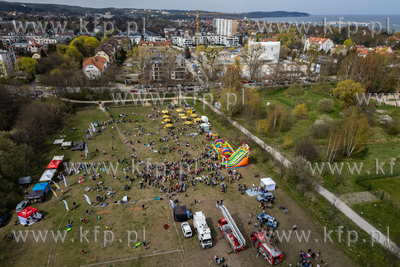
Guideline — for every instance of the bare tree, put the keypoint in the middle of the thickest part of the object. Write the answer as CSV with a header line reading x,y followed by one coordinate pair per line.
x,y
251,54
209,64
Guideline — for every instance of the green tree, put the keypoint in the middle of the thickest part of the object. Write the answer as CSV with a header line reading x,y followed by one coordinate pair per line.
x,y
71,52
300,111
346,91
349,43
27,65
187,53
51,48
85,45
42,53
17,162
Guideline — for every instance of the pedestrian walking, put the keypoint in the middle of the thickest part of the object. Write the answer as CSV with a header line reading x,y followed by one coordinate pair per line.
x,y
143,206
250,215
106,227
195,201
294,227
112,148
83,251
84,221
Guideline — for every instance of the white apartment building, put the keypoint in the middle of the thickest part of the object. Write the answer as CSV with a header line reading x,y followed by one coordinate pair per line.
x,y
7,60
183,41
154,39
202,39
225,27
271,51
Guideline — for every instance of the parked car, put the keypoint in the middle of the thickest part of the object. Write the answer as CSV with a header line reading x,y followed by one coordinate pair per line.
x,y
268,220
4,218
132,91
152,91
21,206
265,197
186,229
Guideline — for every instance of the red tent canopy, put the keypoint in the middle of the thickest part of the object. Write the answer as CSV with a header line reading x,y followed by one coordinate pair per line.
x,y
28,211
54,164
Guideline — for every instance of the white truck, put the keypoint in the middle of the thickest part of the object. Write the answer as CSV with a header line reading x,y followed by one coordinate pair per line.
x,y
202,229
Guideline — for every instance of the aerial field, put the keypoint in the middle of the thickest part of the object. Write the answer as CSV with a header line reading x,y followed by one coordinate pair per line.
x,y
165,247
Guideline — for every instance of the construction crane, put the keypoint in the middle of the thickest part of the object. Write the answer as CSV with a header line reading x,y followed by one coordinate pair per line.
x,y
197,14
230,230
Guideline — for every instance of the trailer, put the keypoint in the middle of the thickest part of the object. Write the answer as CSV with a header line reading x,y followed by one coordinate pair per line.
x,y
230,230
271,252
202,230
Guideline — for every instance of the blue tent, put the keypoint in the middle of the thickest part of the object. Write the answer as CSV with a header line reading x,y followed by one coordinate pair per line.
x,y
42,186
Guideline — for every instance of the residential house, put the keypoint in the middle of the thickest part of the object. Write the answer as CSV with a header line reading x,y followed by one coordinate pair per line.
x,y
36,55
322,43
103,55
93,67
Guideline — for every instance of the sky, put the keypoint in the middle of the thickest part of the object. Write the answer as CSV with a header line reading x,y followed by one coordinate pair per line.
x,y
314,7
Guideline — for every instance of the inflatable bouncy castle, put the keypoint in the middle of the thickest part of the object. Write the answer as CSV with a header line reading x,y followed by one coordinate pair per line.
x,y
222,149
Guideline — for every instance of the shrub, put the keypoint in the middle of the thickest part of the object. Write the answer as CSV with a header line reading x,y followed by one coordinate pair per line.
x,y
294,89
300,111
325,105
306,148
392,127
322,127
287,142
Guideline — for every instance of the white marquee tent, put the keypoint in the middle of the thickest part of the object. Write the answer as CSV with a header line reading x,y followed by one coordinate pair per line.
x,y
58,157
58,141
47,175
268,183
66,143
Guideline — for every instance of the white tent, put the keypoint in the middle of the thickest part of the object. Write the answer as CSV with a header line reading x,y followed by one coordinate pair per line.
x,y
204,118
58,141
125,199
29,216
67,143
47,175
268,183
205,127
58,157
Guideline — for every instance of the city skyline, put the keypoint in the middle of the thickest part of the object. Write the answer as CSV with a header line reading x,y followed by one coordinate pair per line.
x,y
314,7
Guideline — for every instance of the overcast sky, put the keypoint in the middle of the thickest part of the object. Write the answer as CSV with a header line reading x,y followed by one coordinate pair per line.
x,y
314,7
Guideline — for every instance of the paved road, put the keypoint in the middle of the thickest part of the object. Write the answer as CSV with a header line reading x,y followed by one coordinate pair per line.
x,y
346,210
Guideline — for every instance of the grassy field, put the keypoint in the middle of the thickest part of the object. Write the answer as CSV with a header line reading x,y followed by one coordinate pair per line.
x,y
322,211
380,146
165,247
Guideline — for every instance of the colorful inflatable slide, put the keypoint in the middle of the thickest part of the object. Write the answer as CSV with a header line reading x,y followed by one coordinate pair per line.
x,y
240,158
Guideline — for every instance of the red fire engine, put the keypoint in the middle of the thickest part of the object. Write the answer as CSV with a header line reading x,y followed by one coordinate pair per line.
x,y
266,247
229,229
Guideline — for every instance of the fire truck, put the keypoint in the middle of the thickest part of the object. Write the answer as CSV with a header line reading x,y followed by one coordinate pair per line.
x,y
230,230
266,247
